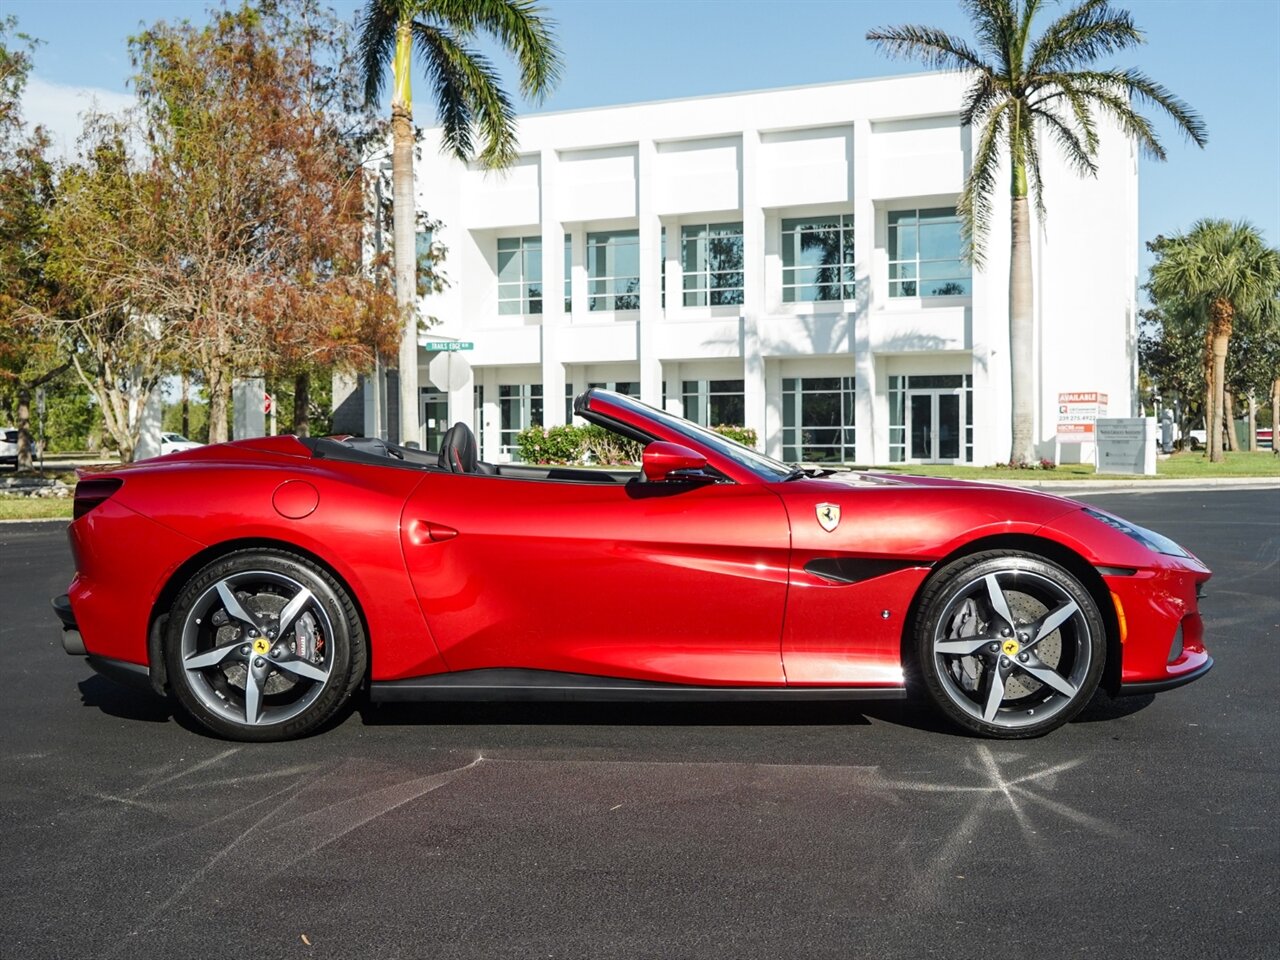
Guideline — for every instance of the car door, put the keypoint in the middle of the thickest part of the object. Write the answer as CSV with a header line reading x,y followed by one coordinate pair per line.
x,y
675,581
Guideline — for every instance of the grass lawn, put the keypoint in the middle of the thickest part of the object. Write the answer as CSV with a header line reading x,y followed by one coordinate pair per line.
x,y
33,508
1181,466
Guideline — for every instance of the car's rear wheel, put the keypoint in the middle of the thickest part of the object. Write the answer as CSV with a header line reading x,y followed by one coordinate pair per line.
x,y
1008,644
263,645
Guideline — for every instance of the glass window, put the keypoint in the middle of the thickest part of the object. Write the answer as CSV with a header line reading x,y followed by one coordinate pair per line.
x,y
613,268
519,275
478,393
817,419
926,254
714,403
520,406
948,446
711,257
568,274
817,259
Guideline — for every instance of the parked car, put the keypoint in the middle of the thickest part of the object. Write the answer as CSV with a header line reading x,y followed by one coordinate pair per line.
x,y
176,443
9,445
264,582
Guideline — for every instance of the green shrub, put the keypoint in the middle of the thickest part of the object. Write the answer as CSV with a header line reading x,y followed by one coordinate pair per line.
x,y
743,435
575,445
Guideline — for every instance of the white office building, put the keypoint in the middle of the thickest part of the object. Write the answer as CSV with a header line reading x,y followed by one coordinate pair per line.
x,y
789,260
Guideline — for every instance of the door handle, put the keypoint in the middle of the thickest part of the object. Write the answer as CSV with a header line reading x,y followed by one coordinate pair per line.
x,y
424,531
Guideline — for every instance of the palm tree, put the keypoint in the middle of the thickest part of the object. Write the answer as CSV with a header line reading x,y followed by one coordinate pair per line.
x,y
1226,272
1023,88
469,100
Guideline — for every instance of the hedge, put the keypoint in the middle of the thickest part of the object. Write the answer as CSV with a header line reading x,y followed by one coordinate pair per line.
x,y
595,445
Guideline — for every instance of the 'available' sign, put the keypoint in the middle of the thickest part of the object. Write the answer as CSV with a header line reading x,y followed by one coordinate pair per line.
x,y
1077,414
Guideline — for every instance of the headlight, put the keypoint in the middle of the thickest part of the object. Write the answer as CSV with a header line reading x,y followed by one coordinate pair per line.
x,y
1148,538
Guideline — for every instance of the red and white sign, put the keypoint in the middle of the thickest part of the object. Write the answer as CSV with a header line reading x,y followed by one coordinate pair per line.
x,y
268,401
1077,413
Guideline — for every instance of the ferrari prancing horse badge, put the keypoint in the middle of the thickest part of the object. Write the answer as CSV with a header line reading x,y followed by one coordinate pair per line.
x,y
828,516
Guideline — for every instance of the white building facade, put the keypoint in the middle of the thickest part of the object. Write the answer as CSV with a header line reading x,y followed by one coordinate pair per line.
x,y
789,260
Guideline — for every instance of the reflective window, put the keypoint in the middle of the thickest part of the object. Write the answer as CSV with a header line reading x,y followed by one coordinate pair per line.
x,y
817,259
519,275
817,419
520,406
613,269
711,257
926,254
714,403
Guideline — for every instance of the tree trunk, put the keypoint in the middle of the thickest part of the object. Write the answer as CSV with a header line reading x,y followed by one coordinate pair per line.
x,y
1021,358
186,404
1228,421
218,386
1222,313
1251,437
1214,434
403,231
24,429
302,405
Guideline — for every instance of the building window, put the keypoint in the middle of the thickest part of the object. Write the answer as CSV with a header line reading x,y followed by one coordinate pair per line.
x,y
711,257
568,275
519,275
926,254
521,407
817,419
478,393
714,403
925,421
629,388
613,267
817,259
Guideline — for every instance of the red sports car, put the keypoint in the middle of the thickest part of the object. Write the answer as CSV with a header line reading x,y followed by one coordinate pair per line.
x,y
264,582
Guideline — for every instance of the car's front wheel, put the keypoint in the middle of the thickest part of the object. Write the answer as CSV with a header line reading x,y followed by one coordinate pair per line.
x,y
1008,644
263,645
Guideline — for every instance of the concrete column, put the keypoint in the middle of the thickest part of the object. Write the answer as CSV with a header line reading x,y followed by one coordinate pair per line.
x,y
249,418
492,414
870,412
671,372
753,255
650,279
553,318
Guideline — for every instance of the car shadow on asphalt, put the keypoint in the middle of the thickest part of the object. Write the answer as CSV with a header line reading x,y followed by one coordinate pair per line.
x,y
116,700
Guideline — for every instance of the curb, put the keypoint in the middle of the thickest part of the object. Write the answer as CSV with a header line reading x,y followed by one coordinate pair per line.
x,y
1188,484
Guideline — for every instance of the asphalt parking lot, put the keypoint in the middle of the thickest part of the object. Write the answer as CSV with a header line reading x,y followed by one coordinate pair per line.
x,y
1145,829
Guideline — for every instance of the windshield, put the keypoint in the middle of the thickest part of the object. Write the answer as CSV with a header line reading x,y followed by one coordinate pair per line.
x,y
764,467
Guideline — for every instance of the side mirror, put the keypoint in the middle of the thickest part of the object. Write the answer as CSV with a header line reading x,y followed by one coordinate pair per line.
x,y
662,459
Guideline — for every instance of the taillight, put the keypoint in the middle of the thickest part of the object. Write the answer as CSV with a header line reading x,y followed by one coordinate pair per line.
x,y
90,493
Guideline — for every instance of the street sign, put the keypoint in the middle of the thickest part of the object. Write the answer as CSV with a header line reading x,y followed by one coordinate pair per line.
x,y
1126,445
448,372
268,401
449,345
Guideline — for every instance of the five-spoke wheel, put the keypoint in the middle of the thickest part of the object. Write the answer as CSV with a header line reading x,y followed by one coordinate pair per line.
x,y
263,645
1009,645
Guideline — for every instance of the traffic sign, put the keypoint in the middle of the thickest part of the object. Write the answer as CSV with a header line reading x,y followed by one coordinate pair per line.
x,y
450,345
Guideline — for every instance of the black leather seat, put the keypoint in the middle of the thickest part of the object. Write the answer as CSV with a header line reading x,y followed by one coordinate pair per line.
x,y
458,451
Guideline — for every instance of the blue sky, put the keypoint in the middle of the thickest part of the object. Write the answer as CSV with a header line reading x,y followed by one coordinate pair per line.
x,y
1218,55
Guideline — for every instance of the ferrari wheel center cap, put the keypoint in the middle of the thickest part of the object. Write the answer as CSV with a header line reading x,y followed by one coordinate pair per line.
x,y
262,645
1010,648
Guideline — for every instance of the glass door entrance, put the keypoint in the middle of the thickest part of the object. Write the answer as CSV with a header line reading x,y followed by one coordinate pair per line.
x,y
435,417
935,425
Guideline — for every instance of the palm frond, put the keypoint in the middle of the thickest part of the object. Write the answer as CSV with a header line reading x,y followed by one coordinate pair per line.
x,y
469,94
1110,98
1145,89
375,45
523,29
936,49
1031,158
1079,153
995,25
979,98
974,205
1083,35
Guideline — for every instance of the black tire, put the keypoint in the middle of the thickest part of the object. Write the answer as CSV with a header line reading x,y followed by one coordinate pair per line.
x,y
1003,680
264,645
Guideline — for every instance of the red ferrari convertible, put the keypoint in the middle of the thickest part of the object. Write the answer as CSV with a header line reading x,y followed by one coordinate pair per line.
x,y
264,582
